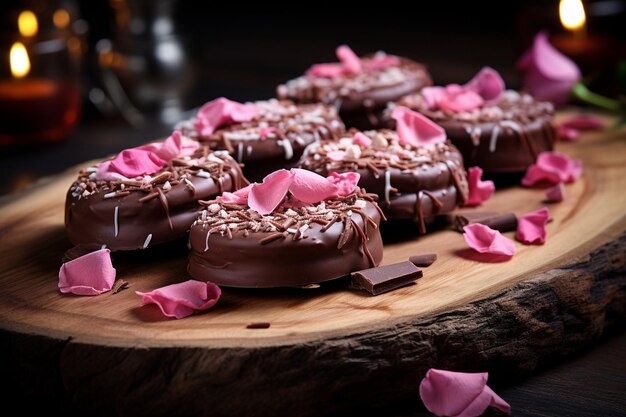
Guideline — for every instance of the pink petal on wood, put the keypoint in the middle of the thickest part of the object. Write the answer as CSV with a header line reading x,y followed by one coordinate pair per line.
x,y
90,274
349,60
567,134
361,139
555,194
309,187
552,167
459,394
487,83
345,182
583,122
531,227
134,162
484,239
479,191
222,112
182,299
415,129
265,197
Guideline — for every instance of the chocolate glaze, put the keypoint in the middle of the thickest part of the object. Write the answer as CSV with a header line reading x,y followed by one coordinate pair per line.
x,y
259,255
412,183
503,137
293,128
91,219
361,98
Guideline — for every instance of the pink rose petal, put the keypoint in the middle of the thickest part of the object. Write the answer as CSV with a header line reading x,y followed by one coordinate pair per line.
x,y
182,299
265,197
361,139
479,191
336,155
134,162
175,145
484,239
415,129
552,167
531,227
90,274
238,197
349,60
488,84
345,182
555,194
331,70
583,122
222,112
309,187
104,172
459,394
432,96
458,100
380,61
567,133
548,74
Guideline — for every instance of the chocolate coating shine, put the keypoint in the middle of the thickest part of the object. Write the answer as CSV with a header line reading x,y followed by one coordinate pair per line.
x,y
94,216
412,183
362,97
503,137
263,256
275,138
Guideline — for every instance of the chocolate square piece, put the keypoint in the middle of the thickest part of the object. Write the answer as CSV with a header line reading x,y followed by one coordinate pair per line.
x,y
385,278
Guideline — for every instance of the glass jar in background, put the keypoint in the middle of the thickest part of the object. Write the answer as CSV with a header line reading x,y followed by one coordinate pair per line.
x,y
41,45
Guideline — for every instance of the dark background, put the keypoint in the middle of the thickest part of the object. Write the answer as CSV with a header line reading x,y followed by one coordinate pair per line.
x,y
244,52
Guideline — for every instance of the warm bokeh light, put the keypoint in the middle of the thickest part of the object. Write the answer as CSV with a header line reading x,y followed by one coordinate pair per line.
x,y
572,14
61,18
27,23
18,58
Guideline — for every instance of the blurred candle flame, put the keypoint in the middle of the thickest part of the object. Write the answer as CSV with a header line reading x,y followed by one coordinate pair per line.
x,y
572,14
61,18
18,59
27,23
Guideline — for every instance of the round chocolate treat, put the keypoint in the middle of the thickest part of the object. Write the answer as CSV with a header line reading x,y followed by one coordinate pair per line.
x,y
501,135
412,182
264,135
147,195
359,87
293,245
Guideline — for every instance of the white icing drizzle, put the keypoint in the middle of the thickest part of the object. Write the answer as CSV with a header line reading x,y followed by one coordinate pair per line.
x,y
206,241
285,143
249,150
387,186
494,138
240,152
103,247
475,135
115,221
147,242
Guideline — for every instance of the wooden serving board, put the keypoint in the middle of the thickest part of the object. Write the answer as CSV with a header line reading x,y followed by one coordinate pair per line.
x,y
327,348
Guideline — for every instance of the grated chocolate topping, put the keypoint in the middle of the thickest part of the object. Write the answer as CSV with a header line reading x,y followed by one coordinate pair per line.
x,y
276,120
512,105
333,90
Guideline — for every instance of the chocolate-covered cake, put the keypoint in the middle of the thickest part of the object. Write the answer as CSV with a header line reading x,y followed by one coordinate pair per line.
x,y
294,229
359,87
497,130
146,195
412,182
263,135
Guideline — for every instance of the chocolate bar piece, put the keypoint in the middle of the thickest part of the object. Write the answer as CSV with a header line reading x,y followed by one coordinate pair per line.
x,y
504,222
385,278
424,260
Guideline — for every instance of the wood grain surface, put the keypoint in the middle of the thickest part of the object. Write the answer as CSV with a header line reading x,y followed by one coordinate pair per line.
x,y
325,347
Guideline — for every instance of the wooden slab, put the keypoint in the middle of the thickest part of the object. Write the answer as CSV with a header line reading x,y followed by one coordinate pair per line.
x,y
326,348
